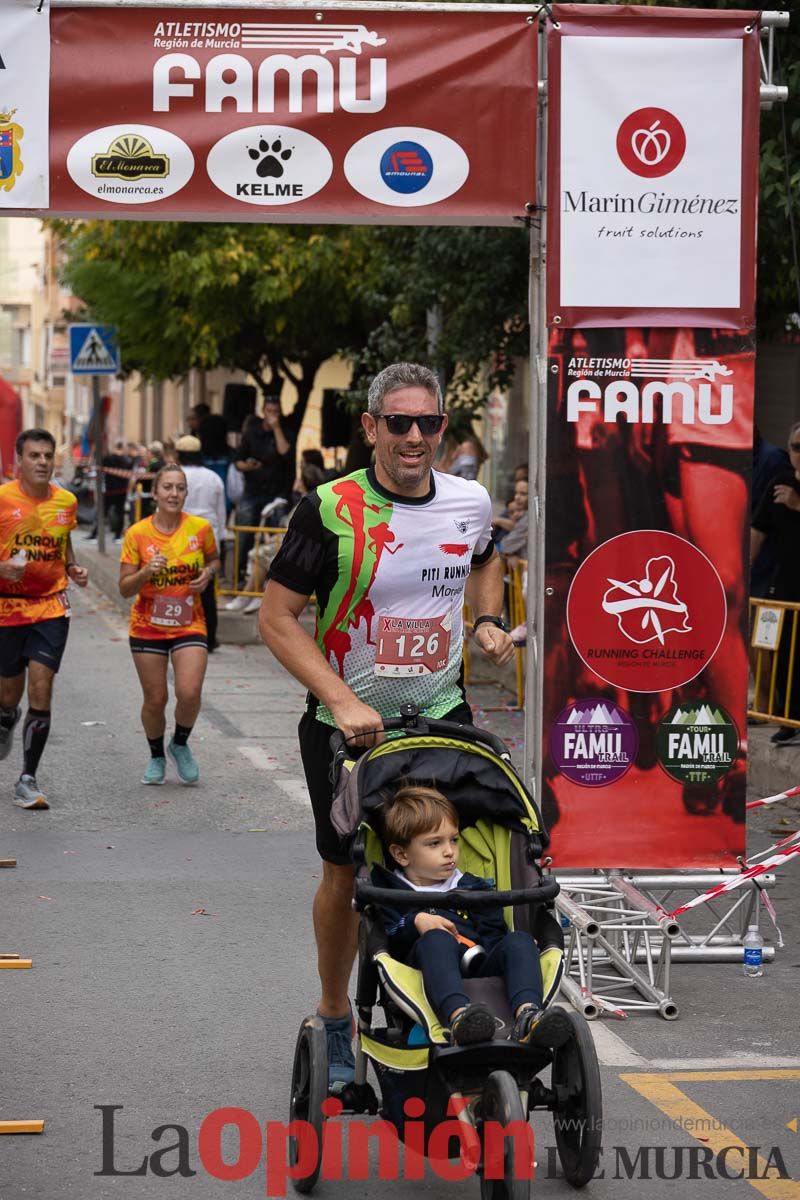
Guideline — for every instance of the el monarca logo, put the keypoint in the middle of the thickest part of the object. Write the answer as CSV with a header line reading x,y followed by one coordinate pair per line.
x,y
651,142
130,157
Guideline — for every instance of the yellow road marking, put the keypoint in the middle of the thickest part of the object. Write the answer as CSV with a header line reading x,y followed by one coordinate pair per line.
x,y
661,1091
21,1126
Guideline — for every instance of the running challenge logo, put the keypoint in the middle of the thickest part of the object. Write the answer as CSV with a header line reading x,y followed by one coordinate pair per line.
x,y
646,611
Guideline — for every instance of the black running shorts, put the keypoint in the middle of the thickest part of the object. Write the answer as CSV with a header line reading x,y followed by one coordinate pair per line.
x,y
315,751
167,646
42,642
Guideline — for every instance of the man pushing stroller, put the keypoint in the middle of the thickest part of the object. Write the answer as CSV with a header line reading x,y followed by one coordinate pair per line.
x,y
420,833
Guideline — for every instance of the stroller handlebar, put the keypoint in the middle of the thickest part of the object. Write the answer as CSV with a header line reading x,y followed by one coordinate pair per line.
x,y
414,724
365,894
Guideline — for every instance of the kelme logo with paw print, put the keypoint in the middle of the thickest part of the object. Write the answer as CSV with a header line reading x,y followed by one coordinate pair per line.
x,y
269,165
271,158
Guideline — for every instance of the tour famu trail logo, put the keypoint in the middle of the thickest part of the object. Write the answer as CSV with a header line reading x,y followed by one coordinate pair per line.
x,y
593,743
10,157
651,142
648,608
697,743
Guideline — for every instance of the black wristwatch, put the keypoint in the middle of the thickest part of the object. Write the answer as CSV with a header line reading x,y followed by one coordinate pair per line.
x,y
490,620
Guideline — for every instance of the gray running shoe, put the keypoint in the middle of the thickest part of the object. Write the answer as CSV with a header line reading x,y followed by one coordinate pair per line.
x,y
28,795
7,735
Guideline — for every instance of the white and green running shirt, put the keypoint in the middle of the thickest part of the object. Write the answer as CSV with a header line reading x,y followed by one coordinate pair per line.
x,y
388,573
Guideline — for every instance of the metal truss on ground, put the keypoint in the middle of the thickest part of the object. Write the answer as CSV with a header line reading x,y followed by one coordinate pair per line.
x,y
620,942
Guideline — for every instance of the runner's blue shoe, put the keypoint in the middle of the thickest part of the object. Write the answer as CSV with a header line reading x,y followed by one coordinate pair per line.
x,y
188,770
155,771
341,1061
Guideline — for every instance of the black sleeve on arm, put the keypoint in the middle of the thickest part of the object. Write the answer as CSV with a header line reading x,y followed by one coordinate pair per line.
x,y
299,563
479,560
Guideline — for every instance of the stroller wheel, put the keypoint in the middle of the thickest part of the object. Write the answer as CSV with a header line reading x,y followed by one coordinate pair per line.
x,y
501,1104
309,1090
578,1116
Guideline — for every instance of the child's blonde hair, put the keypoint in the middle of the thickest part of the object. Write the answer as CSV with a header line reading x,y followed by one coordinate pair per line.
x,y
415,810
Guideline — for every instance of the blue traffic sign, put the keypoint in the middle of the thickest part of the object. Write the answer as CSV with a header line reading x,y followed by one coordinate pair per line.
x,y
93,350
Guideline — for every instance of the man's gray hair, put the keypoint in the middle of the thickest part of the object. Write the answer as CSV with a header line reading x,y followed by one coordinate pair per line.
x,y
402,375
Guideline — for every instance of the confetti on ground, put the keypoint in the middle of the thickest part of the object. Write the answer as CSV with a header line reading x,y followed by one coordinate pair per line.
x,y
45,897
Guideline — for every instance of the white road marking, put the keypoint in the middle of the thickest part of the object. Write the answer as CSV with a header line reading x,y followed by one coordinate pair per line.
x,y
740,1062
612,1051
259,758
295,789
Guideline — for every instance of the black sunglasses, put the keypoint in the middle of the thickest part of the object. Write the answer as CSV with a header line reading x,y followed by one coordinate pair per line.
x,y
400,423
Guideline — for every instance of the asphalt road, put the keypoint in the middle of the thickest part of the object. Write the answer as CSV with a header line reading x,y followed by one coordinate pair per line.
x,y
173,962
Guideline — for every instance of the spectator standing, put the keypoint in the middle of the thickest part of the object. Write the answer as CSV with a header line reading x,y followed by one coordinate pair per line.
x,y
778,516
205,497
115,467
768,461
266,459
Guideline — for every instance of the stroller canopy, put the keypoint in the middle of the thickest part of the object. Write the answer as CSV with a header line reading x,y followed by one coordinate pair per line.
x,y
477,782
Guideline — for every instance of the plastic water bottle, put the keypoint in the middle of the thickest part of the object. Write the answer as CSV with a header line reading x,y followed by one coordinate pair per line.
x,y
753,952
20,559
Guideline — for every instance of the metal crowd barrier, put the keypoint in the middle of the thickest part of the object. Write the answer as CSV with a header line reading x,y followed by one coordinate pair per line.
x,y
774,638
269,548
517,615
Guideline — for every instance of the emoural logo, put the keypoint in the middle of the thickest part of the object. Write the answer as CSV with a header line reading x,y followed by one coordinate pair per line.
x,y
406,167
651,142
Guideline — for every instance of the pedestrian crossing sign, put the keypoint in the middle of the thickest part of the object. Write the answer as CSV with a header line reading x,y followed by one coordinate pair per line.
x,y
93,350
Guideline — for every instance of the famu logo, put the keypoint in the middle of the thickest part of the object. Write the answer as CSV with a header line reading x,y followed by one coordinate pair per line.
x,y
10,157
593,742
697,743
130,157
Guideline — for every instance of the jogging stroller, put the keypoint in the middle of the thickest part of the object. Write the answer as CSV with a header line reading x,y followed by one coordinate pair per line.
x,y
502,838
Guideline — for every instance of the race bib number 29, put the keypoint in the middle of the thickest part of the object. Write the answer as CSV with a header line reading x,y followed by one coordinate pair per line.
x,y
412,645
167,610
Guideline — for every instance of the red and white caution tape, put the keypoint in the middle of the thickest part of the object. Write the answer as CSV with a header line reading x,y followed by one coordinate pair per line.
x,y
774,860
795,791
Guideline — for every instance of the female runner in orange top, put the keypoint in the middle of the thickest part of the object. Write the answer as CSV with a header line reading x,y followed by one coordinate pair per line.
x,y
167,560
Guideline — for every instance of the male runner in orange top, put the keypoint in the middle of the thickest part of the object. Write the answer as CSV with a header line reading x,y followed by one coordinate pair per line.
x,y
36,565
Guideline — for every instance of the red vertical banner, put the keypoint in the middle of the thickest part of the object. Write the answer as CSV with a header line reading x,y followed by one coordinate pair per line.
x,y
652,192
649,449
652,166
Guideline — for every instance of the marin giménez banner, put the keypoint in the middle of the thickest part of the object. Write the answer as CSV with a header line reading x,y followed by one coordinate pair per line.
x,y
301,115
646,662
652,166
24,69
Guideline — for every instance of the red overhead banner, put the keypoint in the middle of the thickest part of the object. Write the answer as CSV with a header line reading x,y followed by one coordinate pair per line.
x,y
652,166
649,437
335,115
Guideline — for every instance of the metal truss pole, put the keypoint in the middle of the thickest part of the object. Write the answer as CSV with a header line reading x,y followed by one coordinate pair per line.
x,y
621,942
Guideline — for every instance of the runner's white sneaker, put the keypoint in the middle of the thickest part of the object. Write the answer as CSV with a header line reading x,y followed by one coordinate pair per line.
x,y
27,793
237,604
253,606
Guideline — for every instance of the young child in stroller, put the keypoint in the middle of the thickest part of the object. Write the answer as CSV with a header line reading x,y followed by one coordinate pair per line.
x,y
419,828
